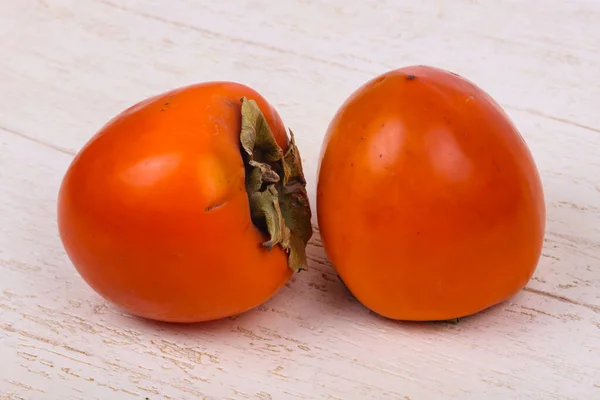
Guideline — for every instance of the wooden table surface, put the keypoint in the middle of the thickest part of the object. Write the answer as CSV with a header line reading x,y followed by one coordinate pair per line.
x,y
67,66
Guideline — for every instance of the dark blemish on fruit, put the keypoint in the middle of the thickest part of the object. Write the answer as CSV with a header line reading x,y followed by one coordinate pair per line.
x,y
382,125
410,77
380,155
164,107
362,138
352,164
210,208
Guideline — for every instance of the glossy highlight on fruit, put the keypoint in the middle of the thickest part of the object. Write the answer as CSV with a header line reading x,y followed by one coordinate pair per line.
x,y
188,206
429,203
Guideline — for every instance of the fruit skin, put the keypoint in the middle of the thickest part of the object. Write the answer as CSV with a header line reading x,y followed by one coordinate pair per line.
x,y
154,214
429,203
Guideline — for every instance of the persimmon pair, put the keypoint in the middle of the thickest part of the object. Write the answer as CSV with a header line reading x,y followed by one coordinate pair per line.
x,y
191,205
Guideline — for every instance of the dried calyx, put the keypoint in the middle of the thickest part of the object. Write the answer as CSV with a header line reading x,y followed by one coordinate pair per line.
x,y
276,187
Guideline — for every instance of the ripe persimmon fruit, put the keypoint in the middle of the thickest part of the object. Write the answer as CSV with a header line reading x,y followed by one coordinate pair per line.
x,y
429,202
188,206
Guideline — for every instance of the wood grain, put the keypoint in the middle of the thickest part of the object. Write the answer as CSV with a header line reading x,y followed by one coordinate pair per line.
x,y
67,66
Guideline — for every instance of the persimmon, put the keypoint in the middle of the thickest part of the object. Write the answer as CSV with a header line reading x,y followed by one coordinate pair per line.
x,y
429,202
188,206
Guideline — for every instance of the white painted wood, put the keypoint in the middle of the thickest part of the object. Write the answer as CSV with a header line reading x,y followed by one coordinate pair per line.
x,y
67,66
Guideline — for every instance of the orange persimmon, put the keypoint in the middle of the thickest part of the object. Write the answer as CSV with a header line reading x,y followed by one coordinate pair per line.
x,y
188,206
429,203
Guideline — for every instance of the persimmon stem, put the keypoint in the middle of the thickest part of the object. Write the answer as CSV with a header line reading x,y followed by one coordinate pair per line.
x,y
276,187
